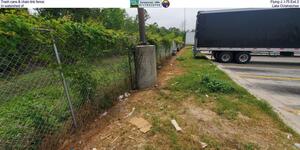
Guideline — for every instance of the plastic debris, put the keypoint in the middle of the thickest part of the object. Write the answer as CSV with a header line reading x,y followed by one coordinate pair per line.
x,y
104,114
132,111
289,136
127,95
196,139
203,145
175,124
120,98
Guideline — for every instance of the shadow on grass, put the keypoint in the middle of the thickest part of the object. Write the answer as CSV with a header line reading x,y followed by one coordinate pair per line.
x,y
200,57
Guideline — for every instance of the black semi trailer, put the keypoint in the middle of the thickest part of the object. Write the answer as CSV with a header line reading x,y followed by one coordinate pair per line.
x,y
233,35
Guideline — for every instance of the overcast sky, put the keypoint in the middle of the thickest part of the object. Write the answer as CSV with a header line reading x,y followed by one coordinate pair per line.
x,y
171,17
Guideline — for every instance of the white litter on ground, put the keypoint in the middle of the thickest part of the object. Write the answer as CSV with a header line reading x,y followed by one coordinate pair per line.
x,y
175,124
132,111
104,114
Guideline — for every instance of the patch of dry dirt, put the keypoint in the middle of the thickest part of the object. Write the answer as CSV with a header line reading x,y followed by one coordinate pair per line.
x,y
232,133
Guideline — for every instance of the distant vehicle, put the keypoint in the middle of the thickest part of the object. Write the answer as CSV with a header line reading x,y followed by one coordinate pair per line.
x,y
232,35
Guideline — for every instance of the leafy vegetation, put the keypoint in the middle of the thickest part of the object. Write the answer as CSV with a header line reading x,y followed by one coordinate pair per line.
x,y
108,35
215,85
42,109
93,45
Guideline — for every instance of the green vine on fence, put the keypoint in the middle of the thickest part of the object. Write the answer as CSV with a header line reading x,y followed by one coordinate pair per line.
x,y
94,53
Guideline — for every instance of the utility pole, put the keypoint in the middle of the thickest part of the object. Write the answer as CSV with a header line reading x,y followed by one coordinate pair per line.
x,y
144,58
141,16
184,25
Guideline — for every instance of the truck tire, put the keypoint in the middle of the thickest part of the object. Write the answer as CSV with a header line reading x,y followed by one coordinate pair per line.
x,y
195,55
215,55
225,57
287,54
242,57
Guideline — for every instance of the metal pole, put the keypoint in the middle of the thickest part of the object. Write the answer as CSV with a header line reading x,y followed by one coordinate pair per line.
x,y
141,16
130,54
184,21
184,26
66,89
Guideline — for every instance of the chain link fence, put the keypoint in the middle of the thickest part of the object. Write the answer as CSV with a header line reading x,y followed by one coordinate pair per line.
x,y
41,86
163,52
48,90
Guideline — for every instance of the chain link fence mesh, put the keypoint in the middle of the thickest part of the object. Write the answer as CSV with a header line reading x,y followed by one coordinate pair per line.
x,y
34,108
162,54
33,102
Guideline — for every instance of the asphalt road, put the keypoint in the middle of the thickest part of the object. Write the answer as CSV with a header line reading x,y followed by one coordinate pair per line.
x,y
274,79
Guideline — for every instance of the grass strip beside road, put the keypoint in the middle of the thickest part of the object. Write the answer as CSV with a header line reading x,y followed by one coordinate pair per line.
x,y
242,121
203,78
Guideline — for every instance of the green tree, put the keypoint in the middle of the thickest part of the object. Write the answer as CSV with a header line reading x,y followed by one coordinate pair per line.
x,y
131,25
113,18
14,11
176,31
76,14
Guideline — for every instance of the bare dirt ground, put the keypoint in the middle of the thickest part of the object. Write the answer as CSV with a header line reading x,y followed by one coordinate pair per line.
x,y
200,123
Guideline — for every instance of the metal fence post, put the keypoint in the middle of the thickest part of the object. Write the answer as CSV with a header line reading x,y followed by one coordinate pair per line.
x,y
66,88
166,56
130,60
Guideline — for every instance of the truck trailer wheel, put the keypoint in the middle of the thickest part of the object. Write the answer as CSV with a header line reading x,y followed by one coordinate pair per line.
x,y
225,57
288,54
242,57
215,55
